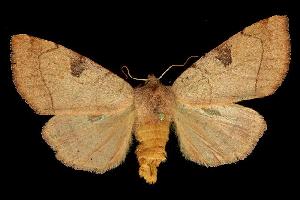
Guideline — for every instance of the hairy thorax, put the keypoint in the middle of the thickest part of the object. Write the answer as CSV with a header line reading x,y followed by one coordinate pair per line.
x,y
154,102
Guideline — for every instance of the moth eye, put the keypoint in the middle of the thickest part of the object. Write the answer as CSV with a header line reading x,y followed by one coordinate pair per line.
x,y
161,116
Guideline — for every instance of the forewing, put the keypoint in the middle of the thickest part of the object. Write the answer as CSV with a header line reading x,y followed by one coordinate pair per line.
x,y
55,80
217,135
91,143
250,64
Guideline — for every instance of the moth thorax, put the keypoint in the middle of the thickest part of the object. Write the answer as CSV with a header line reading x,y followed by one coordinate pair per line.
x,y
153,102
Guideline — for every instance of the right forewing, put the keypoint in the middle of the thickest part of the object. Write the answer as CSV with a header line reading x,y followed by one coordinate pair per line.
x,y
250,64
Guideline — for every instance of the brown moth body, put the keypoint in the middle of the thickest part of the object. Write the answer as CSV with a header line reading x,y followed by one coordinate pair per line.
x,y
154,104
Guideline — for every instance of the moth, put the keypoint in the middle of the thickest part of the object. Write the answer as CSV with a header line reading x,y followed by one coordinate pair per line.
x,y
96,113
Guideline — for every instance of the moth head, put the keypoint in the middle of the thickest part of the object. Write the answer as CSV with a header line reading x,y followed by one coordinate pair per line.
x,y
152,80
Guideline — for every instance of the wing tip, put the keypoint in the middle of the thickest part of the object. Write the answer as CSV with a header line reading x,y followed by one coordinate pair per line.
x,y
18,41
279,25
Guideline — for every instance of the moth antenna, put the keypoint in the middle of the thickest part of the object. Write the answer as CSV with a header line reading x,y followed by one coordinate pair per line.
x,y
128,74
187,60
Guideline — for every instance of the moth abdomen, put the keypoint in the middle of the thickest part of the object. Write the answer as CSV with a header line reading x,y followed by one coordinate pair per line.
x,y
150,152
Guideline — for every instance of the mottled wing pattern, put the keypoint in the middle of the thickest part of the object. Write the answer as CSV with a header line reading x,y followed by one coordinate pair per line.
x,y
250,64
55,80
91,143
217,135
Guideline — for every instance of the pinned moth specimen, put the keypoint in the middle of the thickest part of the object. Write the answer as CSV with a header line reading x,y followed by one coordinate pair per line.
x,y
96,113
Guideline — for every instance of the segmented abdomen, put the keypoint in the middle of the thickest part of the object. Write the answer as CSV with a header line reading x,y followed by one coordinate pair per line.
x,y
151,152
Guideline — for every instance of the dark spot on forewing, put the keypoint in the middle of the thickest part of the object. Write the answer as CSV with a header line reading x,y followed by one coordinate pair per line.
x,y
77,66
224,55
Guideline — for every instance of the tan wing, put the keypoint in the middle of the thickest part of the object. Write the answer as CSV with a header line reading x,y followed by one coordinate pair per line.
x,y
55,80
91,143
250,64
218,135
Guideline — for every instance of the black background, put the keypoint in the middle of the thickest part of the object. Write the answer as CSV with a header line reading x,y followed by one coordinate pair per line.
x,y
147,38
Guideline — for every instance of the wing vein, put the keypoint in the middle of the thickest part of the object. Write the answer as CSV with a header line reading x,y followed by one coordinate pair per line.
x,y
218,155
